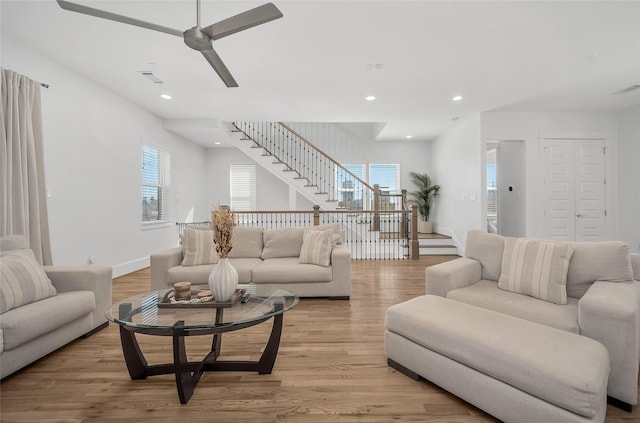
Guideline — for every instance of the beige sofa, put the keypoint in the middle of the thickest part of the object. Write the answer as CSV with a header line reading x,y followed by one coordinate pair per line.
x,y
46,307
592,295
269,258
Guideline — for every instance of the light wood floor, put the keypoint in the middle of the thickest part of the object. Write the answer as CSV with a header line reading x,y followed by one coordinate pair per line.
x,y
331,368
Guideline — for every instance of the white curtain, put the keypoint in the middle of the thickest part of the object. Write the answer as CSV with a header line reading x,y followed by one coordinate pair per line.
x,y
23,203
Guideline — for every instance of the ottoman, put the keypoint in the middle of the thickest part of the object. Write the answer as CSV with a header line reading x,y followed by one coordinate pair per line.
x,y
514,369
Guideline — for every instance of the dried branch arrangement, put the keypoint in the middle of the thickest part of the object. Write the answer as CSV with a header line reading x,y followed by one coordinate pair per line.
x,y
222,221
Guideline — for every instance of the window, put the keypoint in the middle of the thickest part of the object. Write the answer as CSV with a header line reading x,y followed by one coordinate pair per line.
x,y
387,176
492,198
155,184
243,186
350,193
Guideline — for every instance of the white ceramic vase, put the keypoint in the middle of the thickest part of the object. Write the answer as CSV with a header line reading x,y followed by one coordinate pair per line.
x,y
223,280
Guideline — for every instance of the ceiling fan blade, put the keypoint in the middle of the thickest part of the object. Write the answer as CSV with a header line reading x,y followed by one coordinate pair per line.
x,y
216,63
74,7
245,20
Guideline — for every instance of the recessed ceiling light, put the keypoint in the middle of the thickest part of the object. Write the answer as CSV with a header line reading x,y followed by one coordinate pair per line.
x,y
217,142
165,96
409,137
457,98
370,97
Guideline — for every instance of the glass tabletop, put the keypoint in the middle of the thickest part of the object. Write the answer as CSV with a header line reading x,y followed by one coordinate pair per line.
x,y
142,313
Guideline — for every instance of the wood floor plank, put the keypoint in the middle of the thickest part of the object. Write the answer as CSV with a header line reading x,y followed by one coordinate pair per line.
x,y
331,367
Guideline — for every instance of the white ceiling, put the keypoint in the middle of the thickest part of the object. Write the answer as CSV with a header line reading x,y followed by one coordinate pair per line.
x,y
311,65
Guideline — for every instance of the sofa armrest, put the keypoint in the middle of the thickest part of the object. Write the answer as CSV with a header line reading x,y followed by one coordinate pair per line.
x,y
444,277
609,312
97,279
161,262
341,267
635,265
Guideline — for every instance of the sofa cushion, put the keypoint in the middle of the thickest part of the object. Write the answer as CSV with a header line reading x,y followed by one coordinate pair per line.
x,y
635,265
44,316
536,268
486,294
283,242
564,369
199,275
597,261
487,249
198,247
316,247
288,270
22,280
247,243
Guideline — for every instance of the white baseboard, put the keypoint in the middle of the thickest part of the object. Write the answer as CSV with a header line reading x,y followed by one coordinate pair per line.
x,y
130,266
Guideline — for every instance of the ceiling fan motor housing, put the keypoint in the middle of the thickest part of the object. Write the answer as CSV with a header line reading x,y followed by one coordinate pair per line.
x,y
197,40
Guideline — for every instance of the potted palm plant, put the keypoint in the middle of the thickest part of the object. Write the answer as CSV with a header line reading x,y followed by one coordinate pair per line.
x,y
423,197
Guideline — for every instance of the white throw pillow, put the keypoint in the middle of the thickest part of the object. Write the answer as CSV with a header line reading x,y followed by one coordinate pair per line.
x,y
316,247
22,280
536,268
283,242
335,229
198,247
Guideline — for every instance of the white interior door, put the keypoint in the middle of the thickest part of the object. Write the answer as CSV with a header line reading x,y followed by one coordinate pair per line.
x,y
573,189
589,190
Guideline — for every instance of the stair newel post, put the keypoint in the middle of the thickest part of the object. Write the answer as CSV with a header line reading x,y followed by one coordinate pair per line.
x,y
316,215
415,243
376,207
404,218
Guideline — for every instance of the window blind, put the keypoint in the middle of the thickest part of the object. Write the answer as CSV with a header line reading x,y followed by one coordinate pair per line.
x,y
155,184
243,186
387,176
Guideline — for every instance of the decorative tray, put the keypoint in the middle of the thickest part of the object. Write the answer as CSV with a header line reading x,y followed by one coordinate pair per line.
x,y
167,302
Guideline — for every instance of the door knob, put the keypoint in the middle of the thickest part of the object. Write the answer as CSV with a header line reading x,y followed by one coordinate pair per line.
x,y
579,215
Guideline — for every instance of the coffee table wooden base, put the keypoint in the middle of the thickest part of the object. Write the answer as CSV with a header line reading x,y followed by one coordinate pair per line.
x,y
188,373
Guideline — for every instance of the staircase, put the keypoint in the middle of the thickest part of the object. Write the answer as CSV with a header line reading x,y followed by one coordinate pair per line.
x,y
436,245
323,181
296,161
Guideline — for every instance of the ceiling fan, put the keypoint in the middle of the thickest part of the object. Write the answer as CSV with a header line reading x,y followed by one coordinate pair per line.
x,y
198,38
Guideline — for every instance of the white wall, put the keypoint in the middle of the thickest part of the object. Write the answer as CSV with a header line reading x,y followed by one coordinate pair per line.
x,y
530,126
92,141
271,192
456,160
629,177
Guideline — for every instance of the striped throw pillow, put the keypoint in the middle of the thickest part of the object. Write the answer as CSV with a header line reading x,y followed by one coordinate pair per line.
x,y
316,247
198,247
22,280
536,268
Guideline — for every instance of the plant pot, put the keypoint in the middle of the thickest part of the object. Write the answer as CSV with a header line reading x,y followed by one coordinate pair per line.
x,y
425,227
223,280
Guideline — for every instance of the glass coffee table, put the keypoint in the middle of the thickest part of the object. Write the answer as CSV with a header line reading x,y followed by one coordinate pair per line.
x,y
150,314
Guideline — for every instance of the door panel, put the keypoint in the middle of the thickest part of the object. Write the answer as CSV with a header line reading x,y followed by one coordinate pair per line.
x,y
573,190
590,194
557,191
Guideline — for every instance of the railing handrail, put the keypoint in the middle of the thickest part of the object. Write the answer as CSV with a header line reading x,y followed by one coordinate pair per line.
x,y
331,159
402,223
